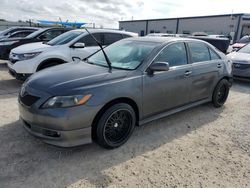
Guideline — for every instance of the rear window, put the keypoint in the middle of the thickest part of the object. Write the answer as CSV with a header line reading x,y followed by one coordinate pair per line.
x,y
199,52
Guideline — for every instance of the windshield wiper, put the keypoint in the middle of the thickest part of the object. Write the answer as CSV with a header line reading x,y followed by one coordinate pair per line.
x,y
100,45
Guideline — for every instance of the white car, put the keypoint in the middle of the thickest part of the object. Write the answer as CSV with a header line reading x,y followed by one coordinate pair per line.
x,y
241,62
73,45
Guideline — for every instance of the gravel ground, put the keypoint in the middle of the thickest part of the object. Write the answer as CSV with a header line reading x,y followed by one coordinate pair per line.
x,y
200,147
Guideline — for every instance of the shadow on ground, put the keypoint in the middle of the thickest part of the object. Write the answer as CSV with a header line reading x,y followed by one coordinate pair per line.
x,y
27,162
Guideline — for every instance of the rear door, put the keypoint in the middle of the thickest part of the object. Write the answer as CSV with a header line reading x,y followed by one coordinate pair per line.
x,y
168,89
206,67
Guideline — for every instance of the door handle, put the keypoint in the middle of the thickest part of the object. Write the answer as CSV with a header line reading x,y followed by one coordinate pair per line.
x,y
188,73
219,65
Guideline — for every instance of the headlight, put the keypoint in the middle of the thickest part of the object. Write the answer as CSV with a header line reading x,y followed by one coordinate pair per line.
x,y
66,101
26,56
8,43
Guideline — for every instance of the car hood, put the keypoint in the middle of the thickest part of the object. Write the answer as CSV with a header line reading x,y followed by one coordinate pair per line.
x,y
237,56
73,78
32,47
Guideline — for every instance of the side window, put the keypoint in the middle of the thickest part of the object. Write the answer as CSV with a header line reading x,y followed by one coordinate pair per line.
x,y
89,41
126,36
110,38
214,55
174,54
199,52
49,35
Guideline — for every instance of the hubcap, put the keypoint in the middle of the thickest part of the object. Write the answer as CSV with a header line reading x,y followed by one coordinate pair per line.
x,y
118,126
221,94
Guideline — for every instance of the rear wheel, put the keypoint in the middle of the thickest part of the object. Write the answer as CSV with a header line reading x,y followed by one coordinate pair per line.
x,y
115,126
220,93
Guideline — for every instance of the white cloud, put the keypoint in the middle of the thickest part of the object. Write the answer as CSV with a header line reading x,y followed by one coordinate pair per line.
x,y
109,12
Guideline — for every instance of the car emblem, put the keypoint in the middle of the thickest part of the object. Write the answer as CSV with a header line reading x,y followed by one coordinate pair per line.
x,y
237,65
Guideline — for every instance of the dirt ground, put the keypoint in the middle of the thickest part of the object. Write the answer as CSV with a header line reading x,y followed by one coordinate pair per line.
x,y
200,147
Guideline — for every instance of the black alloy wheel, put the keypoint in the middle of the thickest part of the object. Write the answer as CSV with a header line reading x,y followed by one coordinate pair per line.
x,y
115,126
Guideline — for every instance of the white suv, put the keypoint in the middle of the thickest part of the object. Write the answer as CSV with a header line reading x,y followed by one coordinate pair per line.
x,y
76,44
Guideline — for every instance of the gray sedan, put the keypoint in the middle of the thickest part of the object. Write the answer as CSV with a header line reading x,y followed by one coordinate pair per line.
x,y
135,81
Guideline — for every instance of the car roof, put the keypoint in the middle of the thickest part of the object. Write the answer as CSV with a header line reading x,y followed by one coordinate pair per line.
x,y
106,30
163,39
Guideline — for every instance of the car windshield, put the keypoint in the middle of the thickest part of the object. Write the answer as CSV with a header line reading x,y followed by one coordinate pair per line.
x,y
244,39
124,54
245,49
64,38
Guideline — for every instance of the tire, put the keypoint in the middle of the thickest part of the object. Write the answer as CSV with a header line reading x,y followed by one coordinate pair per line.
x,y
47,65
115,126
220,93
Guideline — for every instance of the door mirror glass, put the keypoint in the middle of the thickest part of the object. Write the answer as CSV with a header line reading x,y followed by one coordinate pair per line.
x,y
79,45
158,66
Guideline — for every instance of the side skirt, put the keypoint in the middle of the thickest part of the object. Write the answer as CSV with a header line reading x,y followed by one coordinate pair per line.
x,y
173,111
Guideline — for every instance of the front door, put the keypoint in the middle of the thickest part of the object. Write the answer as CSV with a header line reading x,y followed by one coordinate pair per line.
x,y
90,46
168,89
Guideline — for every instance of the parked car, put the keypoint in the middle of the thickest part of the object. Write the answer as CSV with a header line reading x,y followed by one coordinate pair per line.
x,y
241,62
6,33
137,80
47,34
240,43
20,34
77,44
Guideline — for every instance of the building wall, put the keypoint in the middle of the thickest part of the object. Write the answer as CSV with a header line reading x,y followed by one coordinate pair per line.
x,y
213,25
136,26
221,24
162,26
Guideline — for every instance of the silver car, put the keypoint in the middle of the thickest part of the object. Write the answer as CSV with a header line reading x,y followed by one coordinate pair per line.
x,y
241,62
134,81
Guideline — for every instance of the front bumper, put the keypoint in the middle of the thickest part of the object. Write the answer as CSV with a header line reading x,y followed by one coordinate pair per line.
x,y
58,137
241,70
65,127
21,77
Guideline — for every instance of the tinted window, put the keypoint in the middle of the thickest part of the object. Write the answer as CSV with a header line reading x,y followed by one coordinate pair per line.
x,y
126,36
174,54
21,34
89,41
199,52
110,38
64,38
214,55
49,35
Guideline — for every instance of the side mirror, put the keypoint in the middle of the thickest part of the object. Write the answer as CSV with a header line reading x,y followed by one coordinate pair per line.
x,y
158,66
79,45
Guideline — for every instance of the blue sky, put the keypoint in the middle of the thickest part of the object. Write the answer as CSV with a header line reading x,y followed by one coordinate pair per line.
x,y
109,12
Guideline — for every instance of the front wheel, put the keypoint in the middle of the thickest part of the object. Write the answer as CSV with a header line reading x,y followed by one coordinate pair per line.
x,y
115,126
220,93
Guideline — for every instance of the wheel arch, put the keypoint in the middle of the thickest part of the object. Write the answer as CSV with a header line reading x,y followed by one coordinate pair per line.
x,y
126,100
46,61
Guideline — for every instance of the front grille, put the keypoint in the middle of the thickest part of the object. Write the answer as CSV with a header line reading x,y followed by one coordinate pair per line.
x,y
28,100
13,61
241,66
